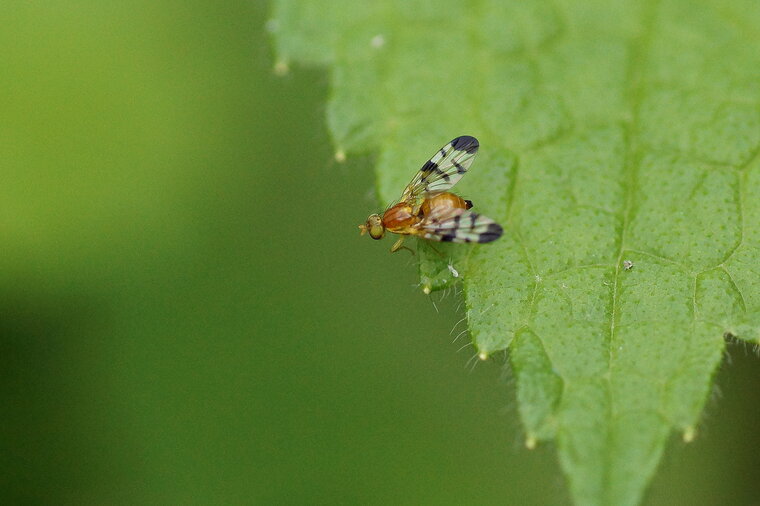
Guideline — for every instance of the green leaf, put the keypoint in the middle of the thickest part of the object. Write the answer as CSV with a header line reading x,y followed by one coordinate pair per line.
x,y
619,147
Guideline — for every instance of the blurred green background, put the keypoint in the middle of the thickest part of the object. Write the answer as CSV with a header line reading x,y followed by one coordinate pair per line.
x,y
188,315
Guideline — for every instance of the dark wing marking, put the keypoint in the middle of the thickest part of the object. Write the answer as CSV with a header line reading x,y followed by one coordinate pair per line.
x,y
459,225
444,169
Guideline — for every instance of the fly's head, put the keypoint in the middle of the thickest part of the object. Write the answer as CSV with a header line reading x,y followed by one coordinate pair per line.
x,y
373,226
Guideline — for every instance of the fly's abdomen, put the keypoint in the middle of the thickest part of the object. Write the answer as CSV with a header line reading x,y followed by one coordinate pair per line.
x,y
443,202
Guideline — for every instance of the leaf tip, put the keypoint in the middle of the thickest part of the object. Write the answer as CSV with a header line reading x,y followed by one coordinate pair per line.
x,y
483,356
340,156
530,442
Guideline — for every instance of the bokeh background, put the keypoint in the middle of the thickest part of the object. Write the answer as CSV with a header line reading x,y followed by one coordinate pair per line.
x,y
187,313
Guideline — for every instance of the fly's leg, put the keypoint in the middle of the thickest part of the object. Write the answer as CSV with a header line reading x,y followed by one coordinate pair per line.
x,y
400,245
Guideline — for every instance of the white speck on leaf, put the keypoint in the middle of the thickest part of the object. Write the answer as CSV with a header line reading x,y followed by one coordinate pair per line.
x,y
272,26
281,68
377,41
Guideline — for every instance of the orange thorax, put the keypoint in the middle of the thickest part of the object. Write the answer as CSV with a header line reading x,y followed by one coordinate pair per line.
x,y
399,217
402,216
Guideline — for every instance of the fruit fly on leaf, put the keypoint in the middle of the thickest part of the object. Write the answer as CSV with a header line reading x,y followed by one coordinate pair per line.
x,y
427,210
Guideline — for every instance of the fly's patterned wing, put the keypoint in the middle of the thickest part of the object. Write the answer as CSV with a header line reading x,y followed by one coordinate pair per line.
x,y
459,225
444,169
